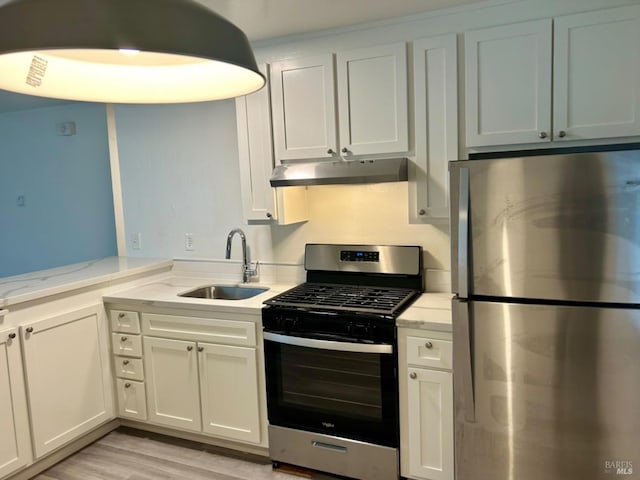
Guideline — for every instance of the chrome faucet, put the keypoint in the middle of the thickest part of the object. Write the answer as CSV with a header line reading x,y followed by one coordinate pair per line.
x,y
247,271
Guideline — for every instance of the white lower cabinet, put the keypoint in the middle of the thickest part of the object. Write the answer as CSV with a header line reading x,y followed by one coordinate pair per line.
x,y
15,449
67,376
229,391
426,404
199,375
172,380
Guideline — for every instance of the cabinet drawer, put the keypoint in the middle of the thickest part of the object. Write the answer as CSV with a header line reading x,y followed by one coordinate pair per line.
x,y
132,399
429,352
125,322
213,330
130,345
131,368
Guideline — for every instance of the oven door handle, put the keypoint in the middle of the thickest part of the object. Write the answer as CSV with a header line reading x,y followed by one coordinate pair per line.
x,y
327,344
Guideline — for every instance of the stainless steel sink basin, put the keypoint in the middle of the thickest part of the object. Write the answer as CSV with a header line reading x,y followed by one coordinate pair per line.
x,y
224,292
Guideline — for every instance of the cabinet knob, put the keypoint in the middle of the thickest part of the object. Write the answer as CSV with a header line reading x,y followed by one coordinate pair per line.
x,y
345,150
29,330
413,375
331,151
125,362
12,336
123,339
189,348
542,135
428,345
200,349
122,315
269,215
562,134
422,211
127,385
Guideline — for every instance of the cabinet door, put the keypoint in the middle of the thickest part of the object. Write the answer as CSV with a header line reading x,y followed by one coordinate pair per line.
x,y
67,375
229,387
430,399
435,74
171,373
15,450
597,74
372,100
304,120
508,84
255,150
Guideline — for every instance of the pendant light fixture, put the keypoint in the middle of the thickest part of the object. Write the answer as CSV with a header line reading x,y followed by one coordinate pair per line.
x,y
123,51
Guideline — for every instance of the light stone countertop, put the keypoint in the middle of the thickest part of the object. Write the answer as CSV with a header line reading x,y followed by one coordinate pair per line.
x,y
35,285
164,293
431,311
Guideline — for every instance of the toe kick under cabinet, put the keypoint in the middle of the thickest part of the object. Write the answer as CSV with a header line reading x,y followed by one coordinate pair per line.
x,y
197,374
426,404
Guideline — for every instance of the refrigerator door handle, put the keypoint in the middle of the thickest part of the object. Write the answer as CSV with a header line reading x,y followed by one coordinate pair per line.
x,y
463,368
463,234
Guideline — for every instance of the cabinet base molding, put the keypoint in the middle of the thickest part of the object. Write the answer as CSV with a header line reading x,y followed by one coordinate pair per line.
x,y
64,452
195,437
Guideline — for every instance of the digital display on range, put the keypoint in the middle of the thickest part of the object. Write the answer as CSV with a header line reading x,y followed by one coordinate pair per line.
x,y
359,256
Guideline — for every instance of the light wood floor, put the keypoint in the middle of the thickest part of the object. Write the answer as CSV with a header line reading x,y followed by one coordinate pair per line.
x,y
127,455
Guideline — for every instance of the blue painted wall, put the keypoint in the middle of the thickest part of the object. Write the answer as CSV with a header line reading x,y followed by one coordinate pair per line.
x,y
67,215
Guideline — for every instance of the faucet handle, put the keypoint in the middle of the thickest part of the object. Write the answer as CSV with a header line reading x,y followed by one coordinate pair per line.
x,y
251,272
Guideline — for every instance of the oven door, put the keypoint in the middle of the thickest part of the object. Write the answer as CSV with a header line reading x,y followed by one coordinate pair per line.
x,y
339,388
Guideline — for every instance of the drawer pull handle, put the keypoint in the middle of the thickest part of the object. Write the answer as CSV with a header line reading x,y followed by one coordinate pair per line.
x,y
413,375
29,330
189,348
200,349
428,345
12,336
127,385
123,339
122,315
125,362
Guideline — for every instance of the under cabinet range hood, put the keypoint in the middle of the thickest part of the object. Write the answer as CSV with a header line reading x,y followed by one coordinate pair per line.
x,y
340,172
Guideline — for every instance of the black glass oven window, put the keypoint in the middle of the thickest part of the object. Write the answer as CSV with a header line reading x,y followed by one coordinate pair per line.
x,y
331,381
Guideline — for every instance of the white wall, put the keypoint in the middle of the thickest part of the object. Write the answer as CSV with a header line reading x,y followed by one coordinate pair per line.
x,y
180,174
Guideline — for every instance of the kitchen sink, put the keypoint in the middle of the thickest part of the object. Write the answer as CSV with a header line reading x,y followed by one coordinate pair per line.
x,y
224,292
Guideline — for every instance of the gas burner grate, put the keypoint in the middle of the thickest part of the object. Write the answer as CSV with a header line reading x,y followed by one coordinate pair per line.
x,y
354,298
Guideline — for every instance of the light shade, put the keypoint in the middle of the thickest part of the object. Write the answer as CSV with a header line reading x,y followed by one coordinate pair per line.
x,y
123,51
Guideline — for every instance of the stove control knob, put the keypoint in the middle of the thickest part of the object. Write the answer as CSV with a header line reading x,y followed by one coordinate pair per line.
x,y
360,330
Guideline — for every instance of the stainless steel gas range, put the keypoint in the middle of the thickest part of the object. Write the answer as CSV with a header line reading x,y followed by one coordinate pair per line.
x,y
331,359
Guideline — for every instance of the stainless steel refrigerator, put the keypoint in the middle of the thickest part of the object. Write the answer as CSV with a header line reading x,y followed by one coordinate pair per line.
x,y
546,271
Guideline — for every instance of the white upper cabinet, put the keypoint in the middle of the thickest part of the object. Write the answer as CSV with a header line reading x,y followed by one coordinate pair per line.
x,y
304,117
435,79
597,74
371,95
595,83
508,84
372,100
255,152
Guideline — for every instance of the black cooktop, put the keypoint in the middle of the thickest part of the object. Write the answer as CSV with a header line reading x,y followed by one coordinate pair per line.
x,y
351,298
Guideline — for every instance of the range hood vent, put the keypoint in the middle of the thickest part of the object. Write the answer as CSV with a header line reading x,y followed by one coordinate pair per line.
x,y
340,172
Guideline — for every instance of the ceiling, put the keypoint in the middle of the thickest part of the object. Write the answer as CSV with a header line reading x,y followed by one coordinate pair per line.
x,y
264,19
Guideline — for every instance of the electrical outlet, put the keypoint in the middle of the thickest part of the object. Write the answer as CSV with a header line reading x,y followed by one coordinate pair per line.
x,y
136,241
188,242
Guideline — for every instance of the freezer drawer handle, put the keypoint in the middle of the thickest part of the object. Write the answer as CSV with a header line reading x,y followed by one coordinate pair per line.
x,y
463,377
329,446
